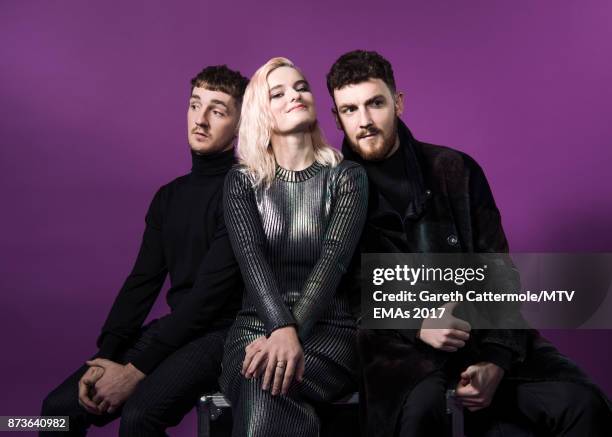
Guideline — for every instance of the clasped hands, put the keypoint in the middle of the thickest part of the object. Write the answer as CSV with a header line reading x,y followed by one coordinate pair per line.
x,y
106,385
279,358
479,381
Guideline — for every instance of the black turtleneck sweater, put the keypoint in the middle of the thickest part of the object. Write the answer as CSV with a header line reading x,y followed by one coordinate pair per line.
x,y
185,237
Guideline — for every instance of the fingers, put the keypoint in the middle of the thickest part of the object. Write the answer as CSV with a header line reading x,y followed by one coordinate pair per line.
x,y
103,407
246,363
100,362
300,368
452,342
270,370
84,399
255,365
281,368
459,334
251,351
288,376
261,368
450,306
469,372
461,325
466,392
97,399
474,404
248,358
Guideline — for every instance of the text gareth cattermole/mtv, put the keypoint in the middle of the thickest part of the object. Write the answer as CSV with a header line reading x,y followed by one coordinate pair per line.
x,y
473,296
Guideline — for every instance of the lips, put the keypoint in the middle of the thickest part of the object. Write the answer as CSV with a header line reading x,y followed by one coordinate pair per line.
x,y
297,107
368,135
201,134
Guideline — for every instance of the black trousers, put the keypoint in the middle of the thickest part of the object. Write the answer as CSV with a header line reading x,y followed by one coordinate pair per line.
x,y
551,408
160,400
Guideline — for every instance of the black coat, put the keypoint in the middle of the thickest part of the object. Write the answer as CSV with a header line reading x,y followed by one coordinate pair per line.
x,y
452,210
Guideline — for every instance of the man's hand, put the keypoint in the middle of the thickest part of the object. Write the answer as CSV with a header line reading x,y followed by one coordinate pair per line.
x,y
86,386
447,333
478,385
116,385
254,361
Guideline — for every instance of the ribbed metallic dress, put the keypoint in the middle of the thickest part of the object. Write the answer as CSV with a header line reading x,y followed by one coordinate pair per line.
x,y
293,242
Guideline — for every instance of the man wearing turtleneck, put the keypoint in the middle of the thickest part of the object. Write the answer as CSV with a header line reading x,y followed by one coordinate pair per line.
x,y
152,375
432,199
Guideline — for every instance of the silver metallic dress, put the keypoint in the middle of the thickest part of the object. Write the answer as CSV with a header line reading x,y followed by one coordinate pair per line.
x,y
293,242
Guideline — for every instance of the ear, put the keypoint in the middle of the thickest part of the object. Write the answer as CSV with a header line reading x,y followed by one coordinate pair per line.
x,y
334,112
399,103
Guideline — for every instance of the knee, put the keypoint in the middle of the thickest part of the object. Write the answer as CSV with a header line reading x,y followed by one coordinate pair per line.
x,y
423,411
55,404
577,408
424,407
585,403
426,400
135,416
258,414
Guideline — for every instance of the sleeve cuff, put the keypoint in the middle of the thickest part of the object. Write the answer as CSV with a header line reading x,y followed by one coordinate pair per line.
x,y
497,354
408,335
282,325
109,345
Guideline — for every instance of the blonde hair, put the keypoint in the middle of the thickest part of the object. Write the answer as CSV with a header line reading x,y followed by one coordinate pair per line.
x,y
256,122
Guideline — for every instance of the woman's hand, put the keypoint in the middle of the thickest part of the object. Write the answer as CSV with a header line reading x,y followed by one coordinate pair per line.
x,y
285,360
255,361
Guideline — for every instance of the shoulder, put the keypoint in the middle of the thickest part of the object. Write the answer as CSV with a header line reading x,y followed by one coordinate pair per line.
x,y
166,190
348,169
238,179
349,175
446,159
239,171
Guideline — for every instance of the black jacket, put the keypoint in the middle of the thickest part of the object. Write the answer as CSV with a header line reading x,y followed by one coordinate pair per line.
x,y
451,210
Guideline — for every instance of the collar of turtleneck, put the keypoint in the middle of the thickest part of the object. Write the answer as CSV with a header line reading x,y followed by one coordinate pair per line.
x,y
383,175
298,175
211,164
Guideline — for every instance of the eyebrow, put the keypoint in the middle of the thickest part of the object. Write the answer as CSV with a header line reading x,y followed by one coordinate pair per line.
x,y
297,82
367,102
371,100
213,101
219,102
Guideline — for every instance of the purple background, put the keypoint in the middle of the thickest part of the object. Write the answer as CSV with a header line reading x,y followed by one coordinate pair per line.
x,y
92,120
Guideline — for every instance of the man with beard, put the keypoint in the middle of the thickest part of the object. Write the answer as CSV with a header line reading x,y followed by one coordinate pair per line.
x,y
426,198
152,376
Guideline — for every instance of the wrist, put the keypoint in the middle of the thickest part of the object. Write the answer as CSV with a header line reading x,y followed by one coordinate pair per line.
x,y
134,372
285,330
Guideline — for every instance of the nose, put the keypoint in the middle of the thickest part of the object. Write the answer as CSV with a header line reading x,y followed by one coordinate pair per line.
x,y
365,120
293,95
202,119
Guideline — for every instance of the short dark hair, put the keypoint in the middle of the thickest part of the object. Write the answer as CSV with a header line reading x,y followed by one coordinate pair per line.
x,y
221,78
359,66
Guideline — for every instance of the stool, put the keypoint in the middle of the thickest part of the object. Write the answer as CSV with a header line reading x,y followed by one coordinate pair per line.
x,y
214,414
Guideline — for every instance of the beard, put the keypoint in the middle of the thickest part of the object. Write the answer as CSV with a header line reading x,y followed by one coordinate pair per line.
x,y
381,149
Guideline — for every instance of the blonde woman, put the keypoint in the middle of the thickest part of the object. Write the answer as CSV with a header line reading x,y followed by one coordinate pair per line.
x,y
294,212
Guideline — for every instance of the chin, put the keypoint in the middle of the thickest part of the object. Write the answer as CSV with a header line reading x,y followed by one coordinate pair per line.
x,y
201,149
371,153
